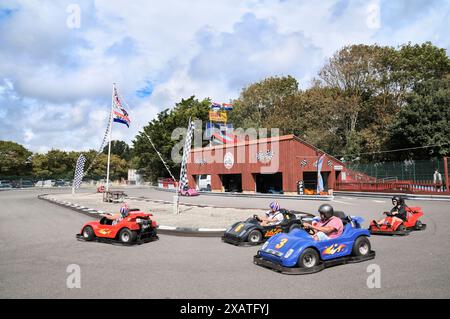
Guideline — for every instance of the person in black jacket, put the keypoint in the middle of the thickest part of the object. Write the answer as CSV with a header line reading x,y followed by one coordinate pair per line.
x,y
398,212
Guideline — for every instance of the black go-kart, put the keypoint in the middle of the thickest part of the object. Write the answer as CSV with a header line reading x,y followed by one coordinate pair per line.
x,y
250,232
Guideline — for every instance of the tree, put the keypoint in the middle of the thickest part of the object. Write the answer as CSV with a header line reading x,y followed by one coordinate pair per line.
x,y
55,164
118,167
424,121
119,148
160,131
15,160
376,82
259,100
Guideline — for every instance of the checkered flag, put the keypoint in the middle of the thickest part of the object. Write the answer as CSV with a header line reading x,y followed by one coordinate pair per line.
x,y
303,163
330,163
186,151
79,171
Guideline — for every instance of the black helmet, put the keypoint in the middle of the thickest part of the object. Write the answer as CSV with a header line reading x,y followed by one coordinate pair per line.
x,y
326,210
398,199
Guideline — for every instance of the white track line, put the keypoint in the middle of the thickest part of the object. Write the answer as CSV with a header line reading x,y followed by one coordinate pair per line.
x,y
345,203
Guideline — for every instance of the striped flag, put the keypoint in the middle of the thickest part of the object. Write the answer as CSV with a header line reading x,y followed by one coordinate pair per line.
x,y
319,175
78,177
120,115
227,106
186,152
215,106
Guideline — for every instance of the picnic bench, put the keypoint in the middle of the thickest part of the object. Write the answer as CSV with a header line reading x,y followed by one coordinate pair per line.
x,y
114,196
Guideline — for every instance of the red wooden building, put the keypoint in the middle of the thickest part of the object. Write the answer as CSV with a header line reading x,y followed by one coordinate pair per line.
x,y
269,165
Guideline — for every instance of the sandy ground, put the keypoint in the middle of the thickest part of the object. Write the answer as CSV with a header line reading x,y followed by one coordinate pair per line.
x,y
190,216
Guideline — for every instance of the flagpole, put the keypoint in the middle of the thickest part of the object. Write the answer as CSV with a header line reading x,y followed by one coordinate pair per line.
x,y
110,133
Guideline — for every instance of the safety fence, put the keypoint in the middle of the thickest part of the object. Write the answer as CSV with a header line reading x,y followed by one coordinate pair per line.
x,y
410,187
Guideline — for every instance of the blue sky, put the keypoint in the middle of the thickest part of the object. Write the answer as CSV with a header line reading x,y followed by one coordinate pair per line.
x,y
55,79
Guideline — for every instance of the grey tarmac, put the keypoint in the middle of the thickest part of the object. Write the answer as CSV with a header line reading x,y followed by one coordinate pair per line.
x,y
37,245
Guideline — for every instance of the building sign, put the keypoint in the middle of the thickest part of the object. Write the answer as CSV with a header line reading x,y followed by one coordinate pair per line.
x,y
228,160
218,116
200,161
338,167
264,156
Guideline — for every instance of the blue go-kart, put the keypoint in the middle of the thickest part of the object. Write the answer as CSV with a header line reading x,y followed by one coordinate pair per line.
x,y
298,253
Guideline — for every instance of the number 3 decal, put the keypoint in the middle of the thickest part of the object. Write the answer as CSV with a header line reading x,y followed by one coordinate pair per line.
x,y
281,243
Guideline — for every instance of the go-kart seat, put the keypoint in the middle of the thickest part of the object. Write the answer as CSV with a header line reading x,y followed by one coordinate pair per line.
x,y
105,221
342,216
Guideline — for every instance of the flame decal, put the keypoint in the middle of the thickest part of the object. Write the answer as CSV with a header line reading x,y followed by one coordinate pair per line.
x,y
272,232
333,249
104,231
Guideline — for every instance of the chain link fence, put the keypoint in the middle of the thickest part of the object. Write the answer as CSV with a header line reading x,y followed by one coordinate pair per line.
x,y
412,170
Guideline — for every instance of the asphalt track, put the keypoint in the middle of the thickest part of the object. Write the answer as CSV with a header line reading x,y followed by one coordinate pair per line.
x,y
37,244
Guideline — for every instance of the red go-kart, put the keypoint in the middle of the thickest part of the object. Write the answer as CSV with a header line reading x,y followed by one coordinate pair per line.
x,y
136,228
402,228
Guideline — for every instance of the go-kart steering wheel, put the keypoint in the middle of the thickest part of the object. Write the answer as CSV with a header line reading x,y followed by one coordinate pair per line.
x,y
307,229
257,218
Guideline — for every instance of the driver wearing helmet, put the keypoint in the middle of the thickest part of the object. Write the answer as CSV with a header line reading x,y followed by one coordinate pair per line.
x,y
397,213
328,227
124,211
273,216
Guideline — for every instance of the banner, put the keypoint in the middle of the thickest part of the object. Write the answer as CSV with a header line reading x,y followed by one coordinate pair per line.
x,y
319,175
218,116
78,176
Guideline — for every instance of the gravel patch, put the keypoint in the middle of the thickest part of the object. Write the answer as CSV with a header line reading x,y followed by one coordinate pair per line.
x,y
190,215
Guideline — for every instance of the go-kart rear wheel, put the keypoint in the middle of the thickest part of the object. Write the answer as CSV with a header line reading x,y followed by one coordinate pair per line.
x,y
401,228
255,236
309,258
361,247
88,233
418,225
127,236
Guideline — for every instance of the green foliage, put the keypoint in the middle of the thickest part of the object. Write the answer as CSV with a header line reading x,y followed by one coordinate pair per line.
x,y
15,160
259,100
119,148
425,120
160,131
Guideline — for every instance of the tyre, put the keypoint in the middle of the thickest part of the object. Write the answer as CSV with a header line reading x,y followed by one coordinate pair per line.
x,y
127,236
255,236
418,225
401,228
88,233
295,226
361,247
308,259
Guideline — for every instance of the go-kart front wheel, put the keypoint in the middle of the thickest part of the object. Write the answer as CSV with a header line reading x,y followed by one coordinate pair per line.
x,y
88,233
127,236
308,259
361,247
255,236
